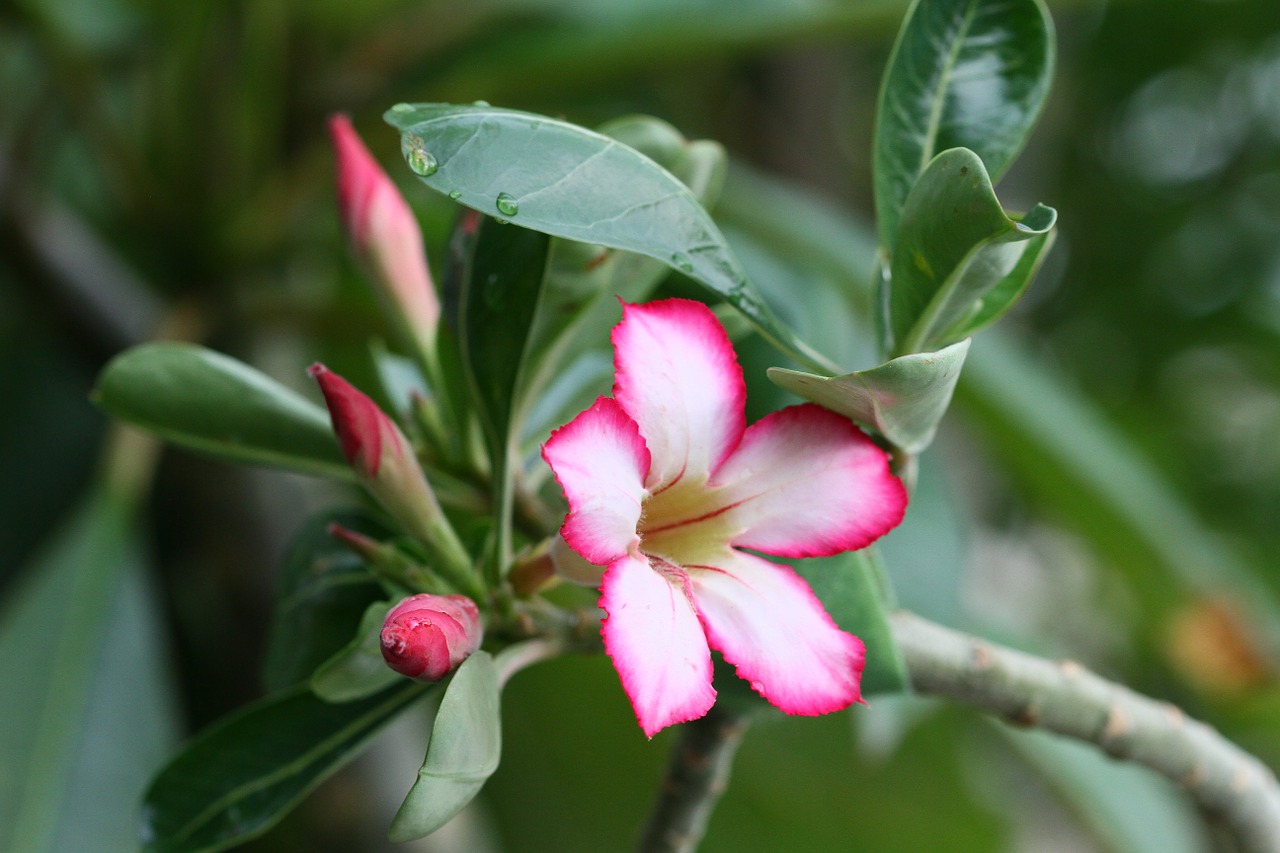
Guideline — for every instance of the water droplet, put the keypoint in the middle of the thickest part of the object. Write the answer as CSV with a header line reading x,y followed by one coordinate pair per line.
x,y
402,108
422,162
507,205
501,221
479,103
682,262
456,194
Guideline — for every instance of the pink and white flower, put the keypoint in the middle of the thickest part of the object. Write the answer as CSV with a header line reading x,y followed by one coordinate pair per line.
x,y
667,485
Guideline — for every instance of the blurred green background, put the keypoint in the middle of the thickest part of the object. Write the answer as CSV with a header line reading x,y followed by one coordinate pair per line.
x,y
1105,489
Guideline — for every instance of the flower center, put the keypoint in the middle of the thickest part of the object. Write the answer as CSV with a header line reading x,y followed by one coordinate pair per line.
x,y
685,522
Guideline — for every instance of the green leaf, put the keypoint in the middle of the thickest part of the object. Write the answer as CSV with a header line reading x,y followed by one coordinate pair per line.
x,y
571,182
497,305
205,401
85,716
324,588
238,778
466,745
358,670
955,246
963,74
903,399
855,592
1009,290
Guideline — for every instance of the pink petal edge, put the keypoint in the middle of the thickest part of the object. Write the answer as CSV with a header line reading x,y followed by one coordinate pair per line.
x,y
676,375
767,622
656,643
806,482
601,462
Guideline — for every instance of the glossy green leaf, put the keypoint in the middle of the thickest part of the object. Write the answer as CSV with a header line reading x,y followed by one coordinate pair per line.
x,y
955,246
238,778
324,589
358,670
855,592
465,747
85,716
497,305
963,74
903,399
999,299
567,181
206,401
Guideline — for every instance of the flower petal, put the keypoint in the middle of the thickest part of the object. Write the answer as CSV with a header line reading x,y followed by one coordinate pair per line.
x,y
678,378
806,482
601,462
771,626
655,641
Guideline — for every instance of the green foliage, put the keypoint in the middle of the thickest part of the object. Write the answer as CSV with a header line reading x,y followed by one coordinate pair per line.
x,y
466,743
963,74
957,253
357,670
324,588
205,401
85,714
235,780
578,184
903,399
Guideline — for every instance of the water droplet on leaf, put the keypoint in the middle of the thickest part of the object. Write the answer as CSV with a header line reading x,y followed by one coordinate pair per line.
x,y
682,262
456,194
507,205
402,108
422,162
479,103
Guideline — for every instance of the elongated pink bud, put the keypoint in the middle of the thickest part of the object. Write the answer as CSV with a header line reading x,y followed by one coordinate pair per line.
x,y
377,451
428,636
384,234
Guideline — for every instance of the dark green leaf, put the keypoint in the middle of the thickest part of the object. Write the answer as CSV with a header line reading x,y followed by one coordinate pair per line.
x,y
235,780
955,246
963,73
357,670
903,399
855,592
324,589
497,305
567,181
466,745
84,713
205,401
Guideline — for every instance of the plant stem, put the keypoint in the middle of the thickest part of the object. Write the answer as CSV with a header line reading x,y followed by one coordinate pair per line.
x,y
697,775
1227,783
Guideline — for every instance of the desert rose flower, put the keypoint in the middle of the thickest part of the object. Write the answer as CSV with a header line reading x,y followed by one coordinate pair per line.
x,y
428,636
666,485
384,234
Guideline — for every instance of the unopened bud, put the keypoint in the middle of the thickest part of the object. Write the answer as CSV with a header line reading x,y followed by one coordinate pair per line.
x,y
428,636
384,234
385,463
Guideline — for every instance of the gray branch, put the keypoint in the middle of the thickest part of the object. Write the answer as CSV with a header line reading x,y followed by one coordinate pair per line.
x,y
1226,782
697,774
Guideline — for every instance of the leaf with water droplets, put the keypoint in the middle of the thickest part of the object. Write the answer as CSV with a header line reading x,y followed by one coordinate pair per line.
x,y
571,182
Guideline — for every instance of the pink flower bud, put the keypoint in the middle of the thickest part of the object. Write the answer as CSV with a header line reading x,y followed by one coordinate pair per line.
x,y
384,234
378,452
428,636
